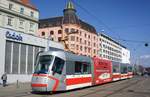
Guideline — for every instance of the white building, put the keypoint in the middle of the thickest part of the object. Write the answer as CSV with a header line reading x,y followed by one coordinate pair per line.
x,y
18,45
113,50
125,55
19,15
18,53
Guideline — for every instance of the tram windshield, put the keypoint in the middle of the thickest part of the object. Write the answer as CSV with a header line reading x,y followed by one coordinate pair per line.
x,y
43,64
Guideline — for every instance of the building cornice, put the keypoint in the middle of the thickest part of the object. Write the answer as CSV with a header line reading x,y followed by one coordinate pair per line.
x,y
27,5
17,14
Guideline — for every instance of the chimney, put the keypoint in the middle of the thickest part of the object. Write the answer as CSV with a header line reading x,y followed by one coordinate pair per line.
x,y
25,1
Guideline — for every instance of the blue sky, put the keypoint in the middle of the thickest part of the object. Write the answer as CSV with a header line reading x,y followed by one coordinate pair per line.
x,y
124,19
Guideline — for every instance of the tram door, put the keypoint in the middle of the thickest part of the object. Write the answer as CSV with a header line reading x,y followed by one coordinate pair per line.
x,y
58,73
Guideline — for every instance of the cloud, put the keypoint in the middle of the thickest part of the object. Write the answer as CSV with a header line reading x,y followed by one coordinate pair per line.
x,y
145,57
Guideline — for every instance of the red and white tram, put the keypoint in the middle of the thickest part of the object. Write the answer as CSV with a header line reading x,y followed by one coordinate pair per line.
x,y
61,71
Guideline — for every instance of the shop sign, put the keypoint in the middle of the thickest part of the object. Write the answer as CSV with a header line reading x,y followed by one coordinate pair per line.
x,y
14,36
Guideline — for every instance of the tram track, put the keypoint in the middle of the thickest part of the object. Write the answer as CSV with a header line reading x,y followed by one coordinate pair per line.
x,y
131,82
117,90
22,94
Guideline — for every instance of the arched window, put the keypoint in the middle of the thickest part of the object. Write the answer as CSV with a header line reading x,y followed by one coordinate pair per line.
x,y
59,31
51,32
43,33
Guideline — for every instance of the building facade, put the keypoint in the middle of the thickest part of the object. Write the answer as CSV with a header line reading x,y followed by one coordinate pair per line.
x,y
18,53
125,55
113,50
19,15
77,36
18,44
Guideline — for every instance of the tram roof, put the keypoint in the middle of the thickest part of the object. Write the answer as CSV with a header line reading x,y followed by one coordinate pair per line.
x,y
68,56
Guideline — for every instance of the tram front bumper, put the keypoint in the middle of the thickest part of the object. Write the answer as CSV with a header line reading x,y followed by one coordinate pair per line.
x,y
39,84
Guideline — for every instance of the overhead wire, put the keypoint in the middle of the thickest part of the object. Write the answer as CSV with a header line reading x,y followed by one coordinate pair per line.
x,y
110,29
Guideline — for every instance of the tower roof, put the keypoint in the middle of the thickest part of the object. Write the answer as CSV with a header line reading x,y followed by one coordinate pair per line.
x,y
70,5
70,16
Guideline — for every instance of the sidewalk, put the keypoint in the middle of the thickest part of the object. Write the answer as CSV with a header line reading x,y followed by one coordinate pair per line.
x,y
12,89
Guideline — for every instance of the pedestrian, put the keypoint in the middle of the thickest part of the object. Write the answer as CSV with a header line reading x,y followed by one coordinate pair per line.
x,y
4,79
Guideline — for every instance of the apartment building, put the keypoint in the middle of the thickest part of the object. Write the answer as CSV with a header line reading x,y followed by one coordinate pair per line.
x,y
79,37
19,15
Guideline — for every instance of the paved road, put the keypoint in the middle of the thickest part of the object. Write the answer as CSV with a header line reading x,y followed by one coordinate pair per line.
x,y
135,87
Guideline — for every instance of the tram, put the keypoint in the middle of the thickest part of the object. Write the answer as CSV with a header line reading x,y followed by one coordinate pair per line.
x,y
62,71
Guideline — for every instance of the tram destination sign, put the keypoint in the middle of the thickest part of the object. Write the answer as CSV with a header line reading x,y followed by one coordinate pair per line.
x,y
14,36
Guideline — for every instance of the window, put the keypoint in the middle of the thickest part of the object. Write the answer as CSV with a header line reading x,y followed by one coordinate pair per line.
x,y
85,42
72,45
72,30
32,14
94,37
30,59
80,33
85,35
89,50
10,6
89,36
66,30
58,65
21,10
59,31
78,67
31,25
72,38
15,58
82,68
85,49
77,39
77,47
52,39
94,44
88,43
9,21
80,40
8,57
43,33
51,32
43,64
59,39
94,51
80,48
21,23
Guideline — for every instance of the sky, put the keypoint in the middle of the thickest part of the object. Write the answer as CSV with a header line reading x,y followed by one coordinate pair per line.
x,y
120,19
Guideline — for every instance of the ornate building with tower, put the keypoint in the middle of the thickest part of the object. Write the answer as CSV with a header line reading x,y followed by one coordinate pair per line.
x,y
77,36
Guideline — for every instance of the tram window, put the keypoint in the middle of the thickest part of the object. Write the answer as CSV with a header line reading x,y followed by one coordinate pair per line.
x,y
123,70
82,68
129,69
86,68
43,64
70,65
58,65
78,67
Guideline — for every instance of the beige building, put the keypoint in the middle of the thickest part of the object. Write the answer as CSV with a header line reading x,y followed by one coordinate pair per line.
x,y
77,35
19,15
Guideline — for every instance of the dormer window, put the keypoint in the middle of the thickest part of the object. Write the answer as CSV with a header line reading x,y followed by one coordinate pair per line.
x,y
22,10
32,14
10,6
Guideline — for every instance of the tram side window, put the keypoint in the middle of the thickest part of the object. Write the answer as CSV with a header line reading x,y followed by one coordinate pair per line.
x,y
86,68
82,68
78,67
58,65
